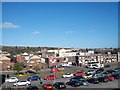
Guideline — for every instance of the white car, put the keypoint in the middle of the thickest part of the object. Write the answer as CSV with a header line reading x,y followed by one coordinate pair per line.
x,y
22,83
66,65
68,75
12,80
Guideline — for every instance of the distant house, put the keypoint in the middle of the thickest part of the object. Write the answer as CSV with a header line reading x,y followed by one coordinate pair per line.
x,y
26,57
36,60
5,63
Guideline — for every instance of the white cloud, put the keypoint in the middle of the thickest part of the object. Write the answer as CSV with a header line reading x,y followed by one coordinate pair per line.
x,y
8,25
69,32
36,32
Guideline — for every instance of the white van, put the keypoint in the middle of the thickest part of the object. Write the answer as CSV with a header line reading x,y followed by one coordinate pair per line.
x,y
94,65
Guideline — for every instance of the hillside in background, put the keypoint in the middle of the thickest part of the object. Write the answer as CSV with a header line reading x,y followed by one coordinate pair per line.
x,y
22,49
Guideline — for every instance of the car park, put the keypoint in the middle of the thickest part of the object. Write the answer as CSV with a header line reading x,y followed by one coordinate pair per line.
x,y
67,75
34,78
47,86
93,80
50,77
12,80
74,83
32,87
22,83
59,85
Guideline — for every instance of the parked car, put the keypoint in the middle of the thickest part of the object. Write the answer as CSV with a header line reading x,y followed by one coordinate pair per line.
x,y
91,71
116,76
103,79
67,75
35,78
83,82
87,76
93,80
108,65
50,77
23,74
100,70
109,71
12,80
74,83
76,78
31,72
110,78
79,73
98,74
22,83
53,67
55,70
117,69
59,85
32,87
47,86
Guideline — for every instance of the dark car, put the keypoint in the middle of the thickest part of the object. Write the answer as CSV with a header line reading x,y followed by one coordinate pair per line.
x,y
116,76
34,78
53,67
107,65
76,78
83,82
74,83
59,85
32,87
93,80
103,79
109,71
31,72
100,70
117,69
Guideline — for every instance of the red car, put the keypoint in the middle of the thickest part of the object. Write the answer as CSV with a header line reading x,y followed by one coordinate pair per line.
x,y
50,77
79,73
111,78
55,70
47,86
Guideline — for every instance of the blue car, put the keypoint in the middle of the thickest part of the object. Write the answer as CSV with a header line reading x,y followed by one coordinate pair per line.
x,y
34,78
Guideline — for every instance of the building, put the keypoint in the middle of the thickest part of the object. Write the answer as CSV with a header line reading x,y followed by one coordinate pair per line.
x,y
5,63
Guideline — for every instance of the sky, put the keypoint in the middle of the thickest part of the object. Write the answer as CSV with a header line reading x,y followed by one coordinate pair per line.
x,y
60,24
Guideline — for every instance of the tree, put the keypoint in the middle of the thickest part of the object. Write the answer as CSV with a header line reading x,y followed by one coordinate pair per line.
x,y
36,68
18,67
